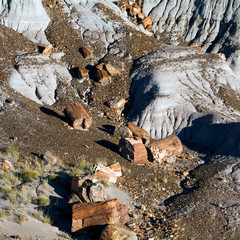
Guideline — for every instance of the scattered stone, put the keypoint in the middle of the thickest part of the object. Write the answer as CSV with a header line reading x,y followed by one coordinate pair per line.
x,y
78,116
48,49
83,73
136,8
115,232
101,76
117,103
139,132
88,189
133,150
98,213
100,66
112,71
12,101
122,132
222,56
86,53
146,22
7,165
50,158
165,148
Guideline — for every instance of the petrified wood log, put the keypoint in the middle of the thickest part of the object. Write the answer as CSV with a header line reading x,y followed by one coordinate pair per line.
x,y
138,132
78,116
98,213
162,149
133,150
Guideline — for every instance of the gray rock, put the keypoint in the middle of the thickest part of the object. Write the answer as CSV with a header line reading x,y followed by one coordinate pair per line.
x,y
211,24
175,90
36,77
27,17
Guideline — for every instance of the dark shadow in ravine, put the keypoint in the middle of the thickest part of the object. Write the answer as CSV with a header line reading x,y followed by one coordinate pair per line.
x,y
210,138
52,113
109,145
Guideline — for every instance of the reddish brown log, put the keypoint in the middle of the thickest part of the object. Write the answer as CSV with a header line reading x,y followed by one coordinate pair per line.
x,y
101,76
165,148
78,116
133,150
138,132
98,213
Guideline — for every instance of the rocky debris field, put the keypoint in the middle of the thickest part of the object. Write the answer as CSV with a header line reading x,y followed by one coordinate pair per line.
x,y
113,126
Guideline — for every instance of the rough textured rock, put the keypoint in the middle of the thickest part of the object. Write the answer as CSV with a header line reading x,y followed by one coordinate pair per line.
x,y
27,17
49,157
138,132
48,49
174,88
115,232
165,148
36,76
78,116
88,189
98,213
211,24
133,150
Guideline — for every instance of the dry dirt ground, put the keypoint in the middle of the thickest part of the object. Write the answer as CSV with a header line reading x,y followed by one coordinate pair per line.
x,y
35,128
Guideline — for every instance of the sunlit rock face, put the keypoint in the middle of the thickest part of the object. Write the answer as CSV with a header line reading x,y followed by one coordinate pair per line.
x,y
211,24
27,17
178,90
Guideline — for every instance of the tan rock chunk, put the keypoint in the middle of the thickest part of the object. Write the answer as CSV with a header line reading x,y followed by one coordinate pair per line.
x,y
222,56
141,16
98,213
50,158
101,76
86,53
112,71
78,116
7,165
48,49
115,232
165,148
146,22
83,72
101,66
133,150
138,132
117,103
116,167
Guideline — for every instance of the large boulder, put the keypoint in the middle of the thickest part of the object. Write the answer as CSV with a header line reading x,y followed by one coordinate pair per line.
x,y
27,17
36,76
177,90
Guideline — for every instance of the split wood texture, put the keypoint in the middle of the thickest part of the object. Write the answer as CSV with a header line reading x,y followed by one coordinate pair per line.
x,y
165,148
133,150
98,213
78,116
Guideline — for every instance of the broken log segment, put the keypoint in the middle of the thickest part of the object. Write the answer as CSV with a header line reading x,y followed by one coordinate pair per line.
x,y
98,213
165,148
86,53
78,116
138,132
83,73
133,150
48,49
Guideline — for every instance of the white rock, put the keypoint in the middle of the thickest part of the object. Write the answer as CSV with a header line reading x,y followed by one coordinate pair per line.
x,y
27,17
37,76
